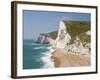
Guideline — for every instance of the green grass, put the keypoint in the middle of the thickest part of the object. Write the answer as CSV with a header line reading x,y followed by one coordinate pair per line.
x,y
53,34
83,38
75,28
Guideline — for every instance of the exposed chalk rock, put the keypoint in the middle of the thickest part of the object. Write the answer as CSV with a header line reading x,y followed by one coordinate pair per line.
x,y
63,37
43,39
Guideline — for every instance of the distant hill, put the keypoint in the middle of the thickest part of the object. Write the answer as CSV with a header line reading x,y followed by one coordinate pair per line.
x,y
53,34
75,28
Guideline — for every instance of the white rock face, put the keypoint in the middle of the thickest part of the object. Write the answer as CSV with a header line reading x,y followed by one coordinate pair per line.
x,y
63,41
88,32
63,38
43,39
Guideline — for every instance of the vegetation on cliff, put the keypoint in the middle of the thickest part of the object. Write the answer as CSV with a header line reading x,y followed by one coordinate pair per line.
x,y
75,28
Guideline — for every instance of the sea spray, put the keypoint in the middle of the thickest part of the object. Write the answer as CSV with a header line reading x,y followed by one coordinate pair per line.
x,y
36,56
47,60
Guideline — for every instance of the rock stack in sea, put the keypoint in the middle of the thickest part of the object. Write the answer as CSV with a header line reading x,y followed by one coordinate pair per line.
x,y
42,38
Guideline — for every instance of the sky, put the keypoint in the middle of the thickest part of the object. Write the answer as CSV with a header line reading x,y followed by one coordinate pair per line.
x,y
36,22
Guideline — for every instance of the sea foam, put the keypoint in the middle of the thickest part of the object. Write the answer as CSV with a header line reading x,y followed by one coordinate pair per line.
x,y
39,47
48,63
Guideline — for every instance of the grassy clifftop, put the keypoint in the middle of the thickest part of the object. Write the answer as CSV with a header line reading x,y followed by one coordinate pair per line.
x,y
75,28
53,34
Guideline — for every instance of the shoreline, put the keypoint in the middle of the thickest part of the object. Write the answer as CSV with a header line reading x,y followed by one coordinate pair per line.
x,y
63,59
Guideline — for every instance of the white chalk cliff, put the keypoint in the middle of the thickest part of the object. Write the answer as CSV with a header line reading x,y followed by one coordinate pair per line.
x,y
63,41
63,37
43,39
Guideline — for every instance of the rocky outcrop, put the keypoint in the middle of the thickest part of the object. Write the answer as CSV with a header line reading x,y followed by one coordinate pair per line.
x,y
63,37
77,44
74,38
42,38
78,47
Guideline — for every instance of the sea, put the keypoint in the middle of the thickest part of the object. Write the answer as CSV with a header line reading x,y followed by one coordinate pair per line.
x,y
36,55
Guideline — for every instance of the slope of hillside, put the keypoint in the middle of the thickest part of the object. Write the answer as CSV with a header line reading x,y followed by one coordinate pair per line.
x,y
75,28
53,34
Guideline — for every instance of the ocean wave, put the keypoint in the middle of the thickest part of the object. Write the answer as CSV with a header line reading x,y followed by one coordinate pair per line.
x,y
49,47
46,58
42,47
38,44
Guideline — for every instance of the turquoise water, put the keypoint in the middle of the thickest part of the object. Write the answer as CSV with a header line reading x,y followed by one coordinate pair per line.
x,y
35,55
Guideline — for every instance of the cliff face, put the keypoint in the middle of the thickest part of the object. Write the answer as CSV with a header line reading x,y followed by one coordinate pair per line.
x,y
43,39
74,28
63,37
73,36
